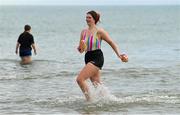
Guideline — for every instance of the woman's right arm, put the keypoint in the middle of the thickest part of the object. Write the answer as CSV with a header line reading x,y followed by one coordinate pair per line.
x,y
81,37
34,48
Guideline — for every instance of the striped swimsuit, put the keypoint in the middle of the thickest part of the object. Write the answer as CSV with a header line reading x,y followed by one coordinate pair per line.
x,y
93,54
92,41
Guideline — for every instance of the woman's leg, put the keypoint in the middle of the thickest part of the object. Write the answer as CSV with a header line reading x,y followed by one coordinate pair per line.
x,y
26,60
29,59
96,79
88,71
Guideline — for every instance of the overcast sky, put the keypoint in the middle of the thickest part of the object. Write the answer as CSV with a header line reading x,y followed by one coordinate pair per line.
x,y
89,2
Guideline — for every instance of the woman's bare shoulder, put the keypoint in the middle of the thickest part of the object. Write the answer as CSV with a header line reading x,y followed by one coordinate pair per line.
x,y
83,30
101,31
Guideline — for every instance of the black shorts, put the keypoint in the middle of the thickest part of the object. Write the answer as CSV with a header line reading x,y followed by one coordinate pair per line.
x,y
95,57
23,53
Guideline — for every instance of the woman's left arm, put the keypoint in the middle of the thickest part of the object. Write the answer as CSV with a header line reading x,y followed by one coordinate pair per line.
x,y
17,47
105,36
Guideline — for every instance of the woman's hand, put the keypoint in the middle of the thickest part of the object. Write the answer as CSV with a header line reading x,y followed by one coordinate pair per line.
x,y
79,49
123,57
82,47
16,51
35,52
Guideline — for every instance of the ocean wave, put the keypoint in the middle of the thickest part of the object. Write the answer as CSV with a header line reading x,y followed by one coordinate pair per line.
x,y
142,72
102,97
112,103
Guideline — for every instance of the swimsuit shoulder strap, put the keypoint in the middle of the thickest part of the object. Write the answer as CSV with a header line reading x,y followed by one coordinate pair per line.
x,y
84,34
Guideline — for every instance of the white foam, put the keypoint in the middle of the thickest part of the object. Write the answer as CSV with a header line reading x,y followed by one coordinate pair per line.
x,y
101,93
7,77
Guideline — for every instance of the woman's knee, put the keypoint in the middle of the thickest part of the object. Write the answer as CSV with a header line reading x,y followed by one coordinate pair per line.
x,y
79,80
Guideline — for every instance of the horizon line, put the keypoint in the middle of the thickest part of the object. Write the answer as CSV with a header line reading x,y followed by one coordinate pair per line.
x,y
90,5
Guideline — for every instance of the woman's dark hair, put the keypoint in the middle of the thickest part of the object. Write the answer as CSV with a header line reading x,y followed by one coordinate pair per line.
x,y
95,15
27,27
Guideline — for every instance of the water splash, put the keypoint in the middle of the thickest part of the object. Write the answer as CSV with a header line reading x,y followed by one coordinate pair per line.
x,y
101,93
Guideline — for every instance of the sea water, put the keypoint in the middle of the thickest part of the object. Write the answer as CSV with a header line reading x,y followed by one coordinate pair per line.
x,y
147,84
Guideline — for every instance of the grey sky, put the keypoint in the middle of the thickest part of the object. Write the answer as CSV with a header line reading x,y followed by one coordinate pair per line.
x,y
89,2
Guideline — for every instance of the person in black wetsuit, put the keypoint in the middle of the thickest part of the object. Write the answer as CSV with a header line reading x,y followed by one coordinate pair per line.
x,y
25,43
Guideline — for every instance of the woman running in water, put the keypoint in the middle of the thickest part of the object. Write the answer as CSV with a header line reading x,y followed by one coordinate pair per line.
x,y
90,42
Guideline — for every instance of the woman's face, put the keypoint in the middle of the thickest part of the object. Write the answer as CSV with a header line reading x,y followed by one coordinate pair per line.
x,y
89,19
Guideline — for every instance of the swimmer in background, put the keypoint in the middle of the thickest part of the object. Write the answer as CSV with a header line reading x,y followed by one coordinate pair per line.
x,y
25,43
